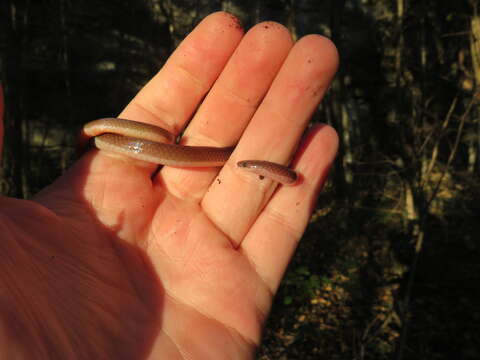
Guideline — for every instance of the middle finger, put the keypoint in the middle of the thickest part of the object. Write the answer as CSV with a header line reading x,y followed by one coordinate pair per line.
x,y
230,104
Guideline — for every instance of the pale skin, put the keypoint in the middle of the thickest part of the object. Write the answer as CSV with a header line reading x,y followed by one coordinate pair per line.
x,y
110,263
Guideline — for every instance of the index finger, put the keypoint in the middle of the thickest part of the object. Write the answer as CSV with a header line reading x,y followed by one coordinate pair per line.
x,y
171,97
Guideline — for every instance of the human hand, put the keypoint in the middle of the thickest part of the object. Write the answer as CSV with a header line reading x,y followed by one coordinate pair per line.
x,y
110,262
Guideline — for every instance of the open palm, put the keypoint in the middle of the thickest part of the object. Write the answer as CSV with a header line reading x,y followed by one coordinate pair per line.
x,y
114,260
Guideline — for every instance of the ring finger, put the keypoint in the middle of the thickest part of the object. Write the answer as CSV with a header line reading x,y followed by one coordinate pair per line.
x,y
272,135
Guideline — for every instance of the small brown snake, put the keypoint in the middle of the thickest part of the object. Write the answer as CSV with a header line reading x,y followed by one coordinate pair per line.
x,y
153,144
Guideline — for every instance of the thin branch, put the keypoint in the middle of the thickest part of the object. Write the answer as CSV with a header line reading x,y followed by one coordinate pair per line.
x,y
452,153
439,138
460,33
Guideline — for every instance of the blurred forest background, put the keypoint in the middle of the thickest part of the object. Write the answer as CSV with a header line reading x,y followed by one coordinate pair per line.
x,y
390,265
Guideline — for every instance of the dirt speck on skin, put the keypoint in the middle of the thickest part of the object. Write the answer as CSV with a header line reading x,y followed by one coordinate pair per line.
x,y
236,23
317,90
219,181
271,25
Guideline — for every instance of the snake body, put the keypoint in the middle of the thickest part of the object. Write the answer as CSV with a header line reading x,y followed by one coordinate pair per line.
x,y
154,144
